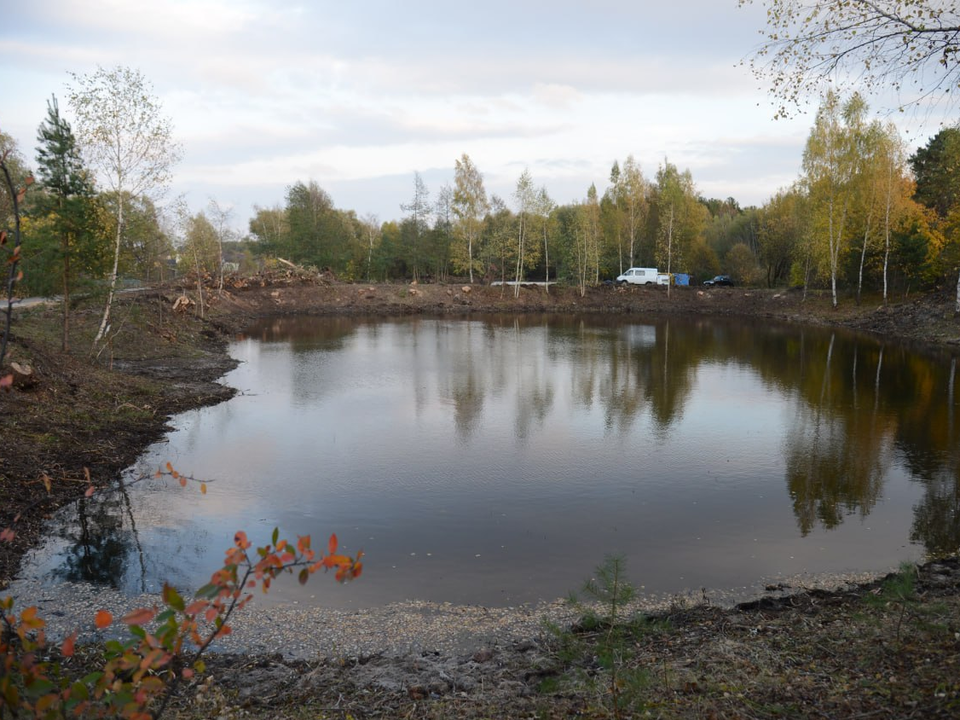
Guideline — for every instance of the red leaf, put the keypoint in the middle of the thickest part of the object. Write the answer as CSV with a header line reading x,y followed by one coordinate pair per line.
x,y
187,673
7,535
6,382
102,619
67,647
90,491
139,617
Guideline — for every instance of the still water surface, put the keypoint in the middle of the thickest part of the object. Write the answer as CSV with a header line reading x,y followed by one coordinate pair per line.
x,y
497,461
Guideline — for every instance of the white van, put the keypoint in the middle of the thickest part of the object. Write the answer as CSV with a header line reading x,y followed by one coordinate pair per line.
x,y
639,276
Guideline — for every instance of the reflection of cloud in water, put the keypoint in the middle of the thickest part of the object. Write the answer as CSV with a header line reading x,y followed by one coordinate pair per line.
x,y
498,460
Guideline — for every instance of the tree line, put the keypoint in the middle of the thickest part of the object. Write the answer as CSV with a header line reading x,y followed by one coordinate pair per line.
x,y
862,216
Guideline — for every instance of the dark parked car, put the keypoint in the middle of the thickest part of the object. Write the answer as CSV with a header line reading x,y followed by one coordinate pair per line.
x,y
720,280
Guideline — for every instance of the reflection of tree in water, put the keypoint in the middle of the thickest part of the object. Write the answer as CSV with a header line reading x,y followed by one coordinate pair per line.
x,y
99,546
857,402
832,469
459,370
672,371
633,367
305,333
837,452
936,522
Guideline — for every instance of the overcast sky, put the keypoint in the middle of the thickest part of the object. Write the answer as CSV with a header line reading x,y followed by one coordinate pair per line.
x,y
360,95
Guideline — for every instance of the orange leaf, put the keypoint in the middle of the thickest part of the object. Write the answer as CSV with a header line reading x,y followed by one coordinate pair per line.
x,y
90,491
7,535
29,618
183,480
169,467
187,673
6,382
139,617
303,543
332,545
195,608
102,619
203,488
240,540
46,482
67,647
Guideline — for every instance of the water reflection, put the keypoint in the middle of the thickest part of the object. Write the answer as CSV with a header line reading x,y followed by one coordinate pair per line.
x,y
497,460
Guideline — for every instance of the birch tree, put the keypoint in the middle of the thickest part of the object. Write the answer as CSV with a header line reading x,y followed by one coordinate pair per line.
x,y
613,198
220,217
830,165
470,205
635,193
545,207
371,230
911,47
526,197
127,140
681,216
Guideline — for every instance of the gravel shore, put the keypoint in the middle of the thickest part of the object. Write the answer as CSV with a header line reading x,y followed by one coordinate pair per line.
x,y
409,628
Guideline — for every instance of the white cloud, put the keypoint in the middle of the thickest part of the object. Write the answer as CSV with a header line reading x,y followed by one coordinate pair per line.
x,y
361,95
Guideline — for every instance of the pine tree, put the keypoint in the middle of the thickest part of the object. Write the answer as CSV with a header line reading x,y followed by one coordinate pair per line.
x,y
67,197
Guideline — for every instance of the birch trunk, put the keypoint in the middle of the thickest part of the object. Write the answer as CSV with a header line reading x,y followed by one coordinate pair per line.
x,y
105,321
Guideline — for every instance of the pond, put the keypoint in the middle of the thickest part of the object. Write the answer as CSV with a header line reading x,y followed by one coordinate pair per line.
x,y
496,461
